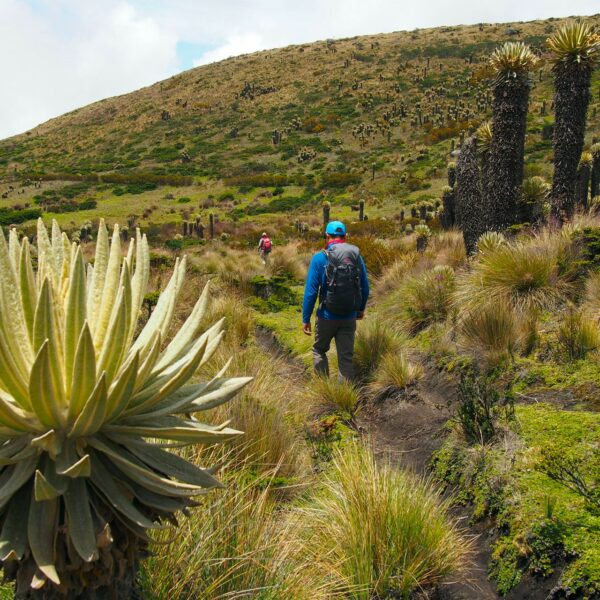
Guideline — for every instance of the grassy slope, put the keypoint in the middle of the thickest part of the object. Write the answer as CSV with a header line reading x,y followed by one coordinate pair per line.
x,y
331,89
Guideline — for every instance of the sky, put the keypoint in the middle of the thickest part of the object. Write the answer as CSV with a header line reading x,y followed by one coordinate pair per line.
x,y
58,55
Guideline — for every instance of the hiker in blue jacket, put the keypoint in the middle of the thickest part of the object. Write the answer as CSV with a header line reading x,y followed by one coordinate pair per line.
x,y
337,277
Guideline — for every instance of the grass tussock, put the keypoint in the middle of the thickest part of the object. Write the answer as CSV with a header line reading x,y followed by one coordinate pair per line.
x,y
448,248
427,298
334,394
578,334
380,532
392,277
287,262
239,318
395,373
373,341
528,275
491,331
270,414
234,545
592,294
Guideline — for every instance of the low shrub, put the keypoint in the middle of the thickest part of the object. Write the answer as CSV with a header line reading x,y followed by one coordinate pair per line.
x,y
9,216
580,474
480,406
339,180
376,254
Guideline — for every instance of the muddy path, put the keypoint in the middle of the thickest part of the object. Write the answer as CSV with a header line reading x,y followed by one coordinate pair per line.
x,y
406,430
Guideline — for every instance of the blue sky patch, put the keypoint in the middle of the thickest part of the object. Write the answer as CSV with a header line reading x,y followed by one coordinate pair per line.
x,y
187,52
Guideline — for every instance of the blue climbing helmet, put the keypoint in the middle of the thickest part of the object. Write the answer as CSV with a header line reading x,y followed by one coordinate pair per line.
x,y
335,228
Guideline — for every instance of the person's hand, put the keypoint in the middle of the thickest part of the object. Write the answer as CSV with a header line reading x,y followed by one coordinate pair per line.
x,y
307,328
360,315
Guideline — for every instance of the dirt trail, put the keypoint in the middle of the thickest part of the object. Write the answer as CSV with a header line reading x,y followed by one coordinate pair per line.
x,y
407,429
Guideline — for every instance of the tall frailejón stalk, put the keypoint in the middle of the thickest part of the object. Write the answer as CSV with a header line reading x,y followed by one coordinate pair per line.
x,y
469,208
575,50
512,64
90,411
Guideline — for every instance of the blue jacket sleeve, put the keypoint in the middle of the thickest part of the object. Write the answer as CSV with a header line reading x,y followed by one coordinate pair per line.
x,y
311,289
364,284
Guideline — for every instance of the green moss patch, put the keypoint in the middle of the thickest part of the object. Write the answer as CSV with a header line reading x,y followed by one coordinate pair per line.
x,y
542,523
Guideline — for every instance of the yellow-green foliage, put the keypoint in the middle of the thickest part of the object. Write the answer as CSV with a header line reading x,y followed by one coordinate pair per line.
x,y
330,393
578,334
373,340
395,372
513,58
592,294
378,531
575,42
526,274
427,298
544,521
236,545
492,330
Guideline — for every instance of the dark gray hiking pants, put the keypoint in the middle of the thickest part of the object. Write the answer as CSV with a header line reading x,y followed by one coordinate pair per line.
x,y
343,333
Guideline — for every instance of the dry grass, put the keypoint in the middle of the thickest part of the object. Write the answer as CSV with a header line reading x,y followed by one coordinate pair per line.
x,y
269,412
578,334
374,339
235,545
395,373
448,248
379,532
592,294
527,275
334,394
393,276
427,298
491,331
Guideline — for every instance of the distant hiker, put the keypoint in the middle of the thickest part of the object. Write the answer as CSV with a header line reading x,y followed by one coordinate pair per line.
x,y
264,247
338,278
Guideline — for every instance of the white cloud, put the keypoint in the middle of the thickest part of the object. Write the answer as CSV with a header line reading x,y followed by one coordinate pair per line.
x,y
56,61
234,46
61,54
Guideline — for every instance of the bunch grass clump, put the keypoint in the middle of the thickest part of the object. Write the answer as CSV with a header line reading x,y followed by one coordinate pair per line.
x,y
337,394
427,298
577,334
592,294
237,546
395,373
380,532
526,275
373,340
491,330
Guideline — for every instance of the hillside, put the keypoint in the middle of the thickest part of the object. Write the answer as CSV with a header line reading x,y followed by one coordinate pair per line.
x,y
373,117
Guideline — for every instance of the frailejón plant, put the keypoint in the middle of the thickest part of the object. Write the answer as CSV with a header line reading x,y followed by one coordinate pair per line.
x,y
89,407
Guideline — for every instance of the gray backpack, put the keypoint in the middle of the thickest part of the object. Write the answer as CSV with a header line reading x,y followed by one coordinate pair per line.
x,y
344,291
